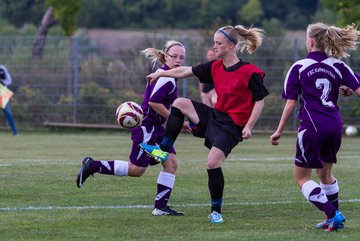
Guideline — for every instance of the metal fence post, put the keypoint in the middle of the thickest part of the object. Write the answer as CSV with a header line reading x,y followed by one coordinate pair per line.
x,y
184,86
75,81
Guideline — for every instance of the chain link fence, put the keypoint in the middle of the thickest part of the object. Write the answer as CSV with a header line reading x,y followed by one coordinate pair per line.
x,y
79,80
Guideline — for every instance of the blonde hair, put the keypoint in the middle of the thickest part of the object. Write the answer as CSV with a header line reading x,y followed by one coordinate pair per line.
x,y
159,55
333,40
249,39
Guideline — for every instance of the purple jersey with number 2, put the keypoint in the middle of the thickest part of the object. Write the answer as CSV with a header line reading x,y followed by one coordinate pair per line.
x,y
315,80
152,130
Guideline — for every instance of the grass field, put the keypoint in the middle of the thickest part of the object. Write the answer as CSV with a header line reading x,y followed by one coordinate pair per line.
x,y
40,201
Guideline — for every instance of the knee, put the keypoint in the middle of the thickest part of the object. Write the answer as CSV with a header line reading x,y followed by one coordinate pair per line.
x,y
180,103
170,165
135,171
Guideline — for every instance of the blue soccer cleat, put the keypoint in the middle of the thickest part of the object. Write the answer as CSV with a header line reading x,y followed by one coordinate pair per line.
x,y
155,152
215,217
337,222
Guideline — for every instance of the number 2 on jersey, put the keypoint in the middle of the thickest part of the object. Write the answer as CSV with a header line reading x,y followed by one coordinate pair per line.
x,y
324,84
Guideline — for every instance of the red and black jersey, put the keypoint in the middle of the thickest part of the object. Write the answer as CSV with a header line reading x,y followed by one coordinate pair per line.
x,y
237,87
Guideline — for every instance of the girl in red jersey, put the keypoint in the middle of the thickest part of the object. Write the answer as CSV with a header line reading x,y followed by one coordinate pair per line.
x,y
240,90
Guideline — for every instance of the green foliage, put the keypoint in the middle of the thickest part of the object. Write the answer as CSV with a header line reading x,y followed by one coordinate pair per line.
x,y
326,16
349,10
32,104
251,12
274,27
185,14
296,20
6,29
21,12
66,12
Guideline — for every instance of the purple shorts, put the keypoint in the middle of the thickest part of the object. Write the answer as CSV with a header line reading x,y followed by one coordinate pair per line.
x,y
314,147
151,135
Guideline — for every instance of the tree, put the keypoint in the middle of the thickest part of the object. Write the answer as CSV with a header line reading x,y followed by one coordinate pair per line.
x,y
349,10
251,12
65,11
46,22
20,12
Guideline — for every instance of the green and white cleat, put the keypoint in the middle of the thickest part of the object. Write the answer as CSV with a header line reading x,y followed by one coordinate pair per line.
x,y
155,152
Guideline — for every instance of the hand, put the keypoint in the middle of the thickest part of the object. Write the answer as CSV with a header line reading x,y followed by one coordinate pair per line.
x,y
152,77
274,138
345,91
246,133
186,126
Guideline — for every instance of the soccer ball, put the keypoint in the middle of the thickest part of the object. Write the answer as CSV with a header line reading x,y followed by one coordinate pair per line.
x,y
129,115
351,131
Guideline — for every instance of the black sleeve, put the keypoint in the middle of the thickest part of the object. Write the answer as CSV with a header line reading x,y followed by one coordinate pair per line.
x,y
256,85
203,72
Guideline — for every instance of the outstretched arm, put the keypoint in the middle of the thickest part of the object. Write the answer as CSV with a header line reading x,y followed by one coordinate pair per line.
x,y
288,109
179,72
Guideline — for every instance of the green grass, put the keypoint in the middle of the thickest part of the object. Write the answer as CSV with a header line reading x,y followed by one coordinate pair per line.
x,y
40,201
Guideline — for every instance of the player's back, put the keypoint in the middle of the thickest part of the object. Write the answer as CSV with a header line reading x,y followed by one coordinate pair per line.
x,y
316,81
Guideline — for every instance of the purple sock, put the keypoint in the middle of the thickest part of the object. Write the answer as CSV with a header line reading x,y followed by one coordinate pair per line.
x,y
317,197
163,195
165,184
334,199
103,167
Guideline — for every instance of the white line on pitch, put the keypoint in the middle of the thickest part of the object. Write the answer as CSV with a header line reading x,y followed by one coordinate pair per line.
x,y
31,208
244,159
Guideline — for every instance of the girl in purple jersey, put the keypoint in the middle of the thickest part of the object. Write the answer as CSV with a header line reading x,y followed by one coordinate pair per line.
x,y
158,99
316,80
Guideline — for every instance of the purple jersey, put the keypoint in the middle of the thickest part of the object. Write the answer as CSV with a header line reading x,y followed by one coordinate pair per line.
x,y
163,91
152,131
316,80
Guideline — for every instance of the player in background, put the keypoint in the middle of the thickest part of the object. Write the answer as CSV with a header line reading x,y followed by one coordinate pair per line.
x,y
315,81
207,91
6,80
158,98
240,90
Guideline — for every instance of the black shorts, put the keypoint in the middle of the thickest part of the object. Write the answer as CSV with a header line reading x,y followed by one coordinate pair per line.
x,y
217,128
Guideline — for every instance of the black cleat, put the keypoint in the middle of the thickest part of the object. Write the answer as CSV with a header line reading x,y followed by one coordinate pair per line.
x,y
166,211
84,172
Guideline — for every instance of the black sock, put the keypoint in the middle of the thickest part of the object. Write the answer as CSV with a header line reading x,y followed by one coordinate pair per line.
x,y
216,187
173,127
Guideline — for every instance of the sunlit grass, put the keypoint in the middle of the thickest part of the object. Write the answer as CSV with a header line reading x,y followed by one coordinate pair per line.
x,y
40,201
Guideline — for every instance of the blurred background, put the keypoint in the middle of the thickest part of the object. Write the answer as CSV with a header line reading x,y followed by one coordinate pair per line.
x,y
75,61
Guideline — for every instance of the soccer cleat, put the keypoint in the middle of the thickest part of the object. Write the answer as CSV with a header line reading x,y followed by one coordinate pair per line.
x,y
215,217
166,211
155,152
84,172
337,222
324,224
